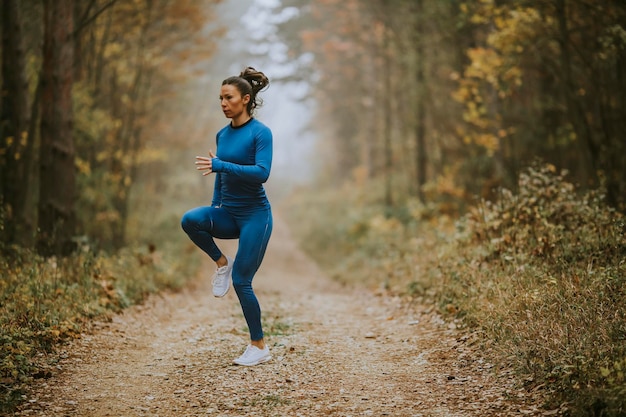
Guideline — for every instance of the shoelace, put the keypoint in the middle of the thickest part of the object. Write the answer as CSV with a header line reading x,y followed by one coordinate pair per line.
x,y
219,274
248,351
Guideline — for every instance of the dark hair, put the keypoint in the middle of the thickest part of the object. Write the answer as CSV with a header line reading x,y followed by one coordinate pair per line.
x,y
250,81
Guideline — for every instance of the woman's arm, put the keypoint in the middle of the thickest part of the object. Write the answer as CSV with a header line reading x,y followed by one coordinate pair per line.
x,y
260,171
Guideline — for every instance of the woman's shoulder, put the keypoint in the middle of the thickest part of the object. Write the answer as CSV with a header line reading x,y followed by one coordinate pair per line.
x,y
222,131
258,124
260,127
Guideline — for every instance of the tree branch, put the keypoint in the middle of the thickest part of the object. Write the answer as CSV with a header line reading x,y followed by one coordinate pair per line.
x,y
86,22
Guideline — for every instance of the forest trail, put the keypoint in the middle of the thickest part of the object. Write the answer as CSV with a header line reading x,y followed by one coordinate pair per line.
x,y
336,352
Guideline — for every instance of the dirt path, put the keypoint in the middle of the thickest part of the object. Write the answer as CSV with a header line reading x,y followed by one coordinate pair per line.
x,y
337,352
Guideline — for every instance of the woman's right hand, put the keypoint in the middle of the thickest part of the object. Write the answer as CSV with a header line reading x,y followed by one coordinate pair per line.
x,y
205,164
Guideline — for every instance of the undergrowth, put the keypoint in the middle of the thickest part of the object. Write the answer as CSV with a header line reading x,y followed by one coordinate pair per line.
x,y
357,240
543,273
46,302
540,273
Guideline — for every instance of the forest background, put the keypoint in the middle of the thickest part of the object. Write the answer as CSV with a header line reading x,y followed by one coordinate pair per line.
x,y
467,154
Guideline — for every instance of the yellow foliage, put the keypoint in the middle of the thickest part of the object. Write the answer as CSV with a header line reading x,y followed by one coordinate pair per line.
x,y
108,216
23,138
494,72
382,224
446,184
102,156
113,49
485,64
148,155
516,28
488,141
82,166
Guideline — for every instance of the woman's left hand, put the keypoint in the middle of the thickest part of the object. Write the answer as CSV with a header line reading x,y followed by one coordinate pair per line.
x,y
205,164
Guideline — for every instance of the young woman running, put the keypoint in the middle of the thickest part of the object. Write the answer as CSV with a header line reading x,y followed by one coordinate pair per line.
x,y
240,208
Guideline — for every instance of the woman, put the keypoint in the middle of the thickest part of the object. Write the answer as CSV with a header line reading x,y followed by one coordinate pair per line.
x,y
240,208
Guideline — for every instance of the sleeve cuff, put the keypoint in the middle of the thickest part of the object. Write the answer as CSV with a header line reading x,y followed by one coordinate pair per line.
x,y
217,165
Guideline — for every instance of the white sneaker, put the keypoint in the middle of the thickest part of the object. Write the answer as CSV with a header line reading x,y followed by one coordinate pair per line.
x,y
221,279
253,356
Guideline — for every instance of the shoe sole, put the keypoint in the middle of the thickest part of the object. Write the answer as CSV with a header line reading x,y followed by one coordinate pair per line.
x,y
260,361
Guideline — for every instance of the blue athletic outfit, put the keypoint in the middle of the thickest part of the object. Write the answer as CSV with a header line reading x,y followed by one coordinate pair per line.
x,y
239,209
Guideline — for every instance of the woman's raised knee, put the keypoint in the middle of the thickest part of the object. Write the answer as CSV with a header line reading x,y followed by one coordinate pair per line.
x,y
184,222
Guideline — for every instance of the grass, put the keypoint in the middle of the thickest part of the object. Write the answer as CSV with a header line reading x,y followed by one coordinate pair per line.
x,y
276,327
540,274
273,325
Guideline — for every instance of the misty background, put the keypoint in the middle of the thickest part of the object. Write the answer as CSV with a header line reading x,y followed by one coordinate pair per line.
x,y
251,39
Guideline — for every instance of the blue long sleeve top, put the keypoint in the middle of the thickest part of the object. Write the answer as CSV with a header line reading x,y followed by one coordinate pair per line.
x,y
242,165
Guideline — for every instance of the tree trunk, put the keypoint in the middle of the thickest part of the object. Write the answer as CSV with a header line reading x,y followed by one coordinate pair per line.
x,y
590,151
99,59
388,110
129,139
57,171
14,137
420,131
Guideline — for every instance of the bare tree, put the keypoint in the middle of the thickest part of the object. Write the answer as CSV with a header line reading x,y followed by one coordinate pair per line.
x,y
15,141
57,171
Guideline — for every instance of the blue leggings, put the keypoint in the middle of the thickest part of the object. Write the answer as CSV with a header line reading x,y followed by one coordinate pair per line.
x,y
253,229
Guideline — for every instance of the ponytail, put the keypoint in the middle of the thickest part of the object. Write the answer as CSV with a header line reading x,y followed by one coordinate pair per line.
x,y
249,81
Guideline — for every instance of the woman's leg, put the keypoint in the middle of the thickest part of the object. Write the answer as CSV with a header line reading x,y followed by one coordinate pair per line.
x,y
255,231
202,224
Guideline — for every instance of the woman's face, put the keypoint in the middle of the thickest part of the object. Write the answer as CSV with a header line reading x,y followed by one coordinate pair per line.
x,y
233,104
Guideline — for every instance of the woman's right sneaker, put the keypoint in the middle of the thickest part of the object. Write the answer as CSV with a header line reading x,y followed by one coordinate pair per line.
x,y
253,356
222,278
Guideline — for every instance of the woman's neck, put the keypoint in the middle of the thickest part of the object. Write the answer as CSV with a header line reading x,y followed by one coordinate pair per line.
x,y
240,119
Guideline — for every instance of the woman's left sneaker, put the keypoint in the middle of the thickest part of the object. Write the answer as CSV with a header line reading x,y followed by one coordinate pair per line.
x,y
253,356
221,279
